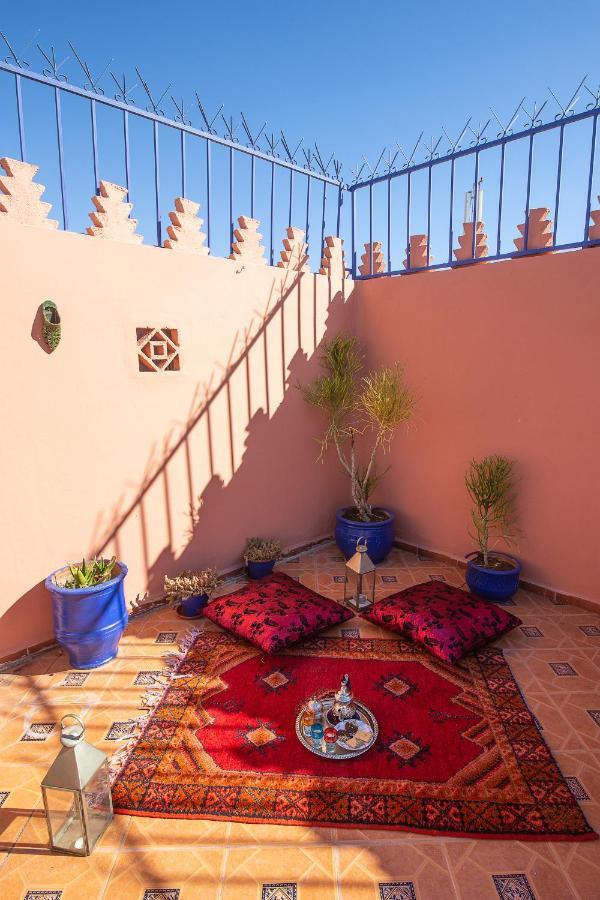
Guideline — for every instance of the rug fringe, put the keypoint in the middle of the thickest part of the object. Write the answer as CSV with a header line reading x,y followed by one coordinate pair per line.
x,y
151,699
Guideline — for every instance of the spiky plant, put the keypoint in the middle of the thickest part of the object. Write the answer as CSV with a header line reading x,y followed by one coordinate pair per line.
x,y
489,482
91,573
354,404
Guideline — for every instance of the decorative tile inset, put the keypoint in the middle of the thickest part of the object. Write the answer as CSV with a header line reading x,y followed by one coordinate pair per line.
x,y
43,895
590,630
350,632
531,631
158,349
397,890
576,788
389,579
3,797
5,680
161,894
339,579
513,887
166,637
437,577
75,679
152,677
562,668
281,891
39,731
595,714
118,731
538,724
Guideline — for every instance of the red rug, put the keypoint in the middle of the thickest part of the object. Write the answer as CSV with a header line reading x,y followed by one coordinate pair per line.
x,y
458,752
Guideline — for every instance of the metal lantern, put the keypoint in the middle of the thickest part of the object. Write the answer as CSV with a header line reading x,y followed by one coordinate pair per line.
x,y
76,792
359,587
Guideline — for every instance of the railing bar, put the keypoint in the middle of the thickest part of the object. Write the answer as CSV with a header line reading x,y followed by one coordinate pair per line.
x,y
475,199
558,176
323,214
352,234
291,198
161,120
61,161
371,229
500,198
126,149
231,176
408,224
339,210
306,230
271,214
451,222
183,166
208,188
252,185
94,143
389,224
428,212
157,185
586,231
20,118
528,194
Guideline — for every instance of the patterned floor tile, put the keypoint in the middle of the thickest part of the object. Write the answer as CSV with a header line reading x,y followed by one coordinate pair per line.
x,y
513,887
562,668
576,788
281,891
166,637
39,731
397,890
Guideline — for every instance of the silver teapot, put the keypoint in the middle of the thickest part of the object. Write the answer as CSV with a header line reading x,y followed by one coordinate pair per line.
x,y
343,707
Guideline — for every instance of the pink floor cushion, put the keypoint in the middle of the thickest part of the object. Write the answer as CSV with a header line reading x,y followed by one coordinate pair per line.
x,y
446,621
275,612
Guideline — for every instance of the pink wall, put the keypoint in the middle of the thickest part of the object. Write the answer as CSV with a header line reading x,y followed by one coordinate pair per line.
x,y
505,359
97,456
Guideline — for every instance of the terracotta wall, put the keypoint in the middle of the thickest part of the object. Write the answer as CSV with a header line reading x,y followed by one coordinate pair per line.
x,y
167,470
505,359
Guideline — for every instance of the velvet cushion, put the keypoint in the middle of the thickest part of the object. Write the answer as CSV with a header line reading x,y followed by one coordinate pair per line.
x,y
275,612
445,620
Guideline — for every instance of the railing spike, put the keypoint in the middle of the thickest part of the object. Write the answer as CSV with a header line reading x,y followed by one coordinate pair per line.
x,y
123,93
92,79
507,129
180,107
209,124
154,103
55,67
569,108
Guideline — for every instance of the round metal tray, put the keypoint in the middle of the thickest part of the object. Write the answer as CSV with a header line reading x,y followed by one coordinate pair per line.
x,y
364,714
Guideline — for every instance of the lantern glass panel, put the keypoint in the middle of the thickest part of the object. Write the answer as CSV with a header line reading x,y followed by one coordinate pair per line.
x,y
64,820
97,804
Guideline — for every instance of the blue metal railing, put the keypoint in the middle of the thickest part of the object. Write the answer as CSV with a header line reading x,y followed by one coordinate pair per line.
x,y
220,194
394,217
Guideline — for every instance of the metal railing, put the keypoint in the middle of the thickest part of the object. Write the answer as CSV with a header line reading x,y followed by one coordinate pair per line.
x,y
314,187
390,217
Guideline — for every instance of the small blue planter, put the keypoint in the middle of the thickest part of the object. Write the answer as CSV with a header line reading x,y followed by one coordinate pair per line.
x,y
258,570
193,606
379,535
89,622
493,584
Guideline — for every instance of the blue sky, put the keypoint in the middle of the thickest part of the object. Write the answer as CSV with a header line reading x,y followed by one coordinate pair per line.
x,y
355,77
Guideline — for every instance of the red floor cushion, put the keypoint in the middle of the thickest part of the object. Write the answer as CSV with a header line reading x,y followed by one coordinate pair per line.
x,y
275,612
445,620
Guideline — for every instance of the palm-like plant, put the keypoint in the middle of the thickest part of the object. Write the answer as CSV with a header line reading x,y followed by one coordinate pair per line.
x,y
376,403
489,482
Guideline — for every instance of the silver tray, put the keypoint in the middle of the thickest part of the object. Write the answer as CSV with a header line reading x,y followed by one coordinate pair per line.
x,y
364,714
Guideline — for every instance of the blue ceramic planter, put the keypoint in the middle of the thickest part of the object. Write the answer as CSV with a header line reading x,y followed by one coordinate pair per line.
x,y
493,584
193,606
89,622
379,535
258,570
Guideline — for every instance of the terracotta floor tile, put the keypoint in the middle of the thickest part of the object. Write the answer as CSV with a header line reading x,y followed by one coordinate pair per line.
x,y
196,873
363,869
310,868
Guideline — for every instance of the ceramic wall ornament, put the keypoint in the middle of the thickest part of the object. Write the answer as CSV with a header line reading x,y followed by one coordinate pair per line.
x,y
51,324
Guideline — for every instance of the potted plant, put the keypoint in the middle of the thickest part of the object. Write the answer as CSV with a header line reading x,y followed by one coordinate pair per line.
x,y
260,556
191,591
90,614
489,482
360,406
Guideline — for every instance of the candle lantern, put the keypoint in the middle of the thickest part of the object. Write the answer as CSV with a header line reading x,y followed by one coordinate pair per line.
x,y
359,587
76,793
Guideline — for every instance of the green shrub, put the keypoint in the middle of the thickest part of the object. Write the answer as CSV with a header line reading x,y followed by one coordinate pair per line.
x,y
489,482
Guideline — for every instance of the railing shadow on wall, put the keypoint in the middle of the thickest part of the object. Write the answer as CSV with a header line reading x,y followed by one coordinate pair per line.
x,y
217,514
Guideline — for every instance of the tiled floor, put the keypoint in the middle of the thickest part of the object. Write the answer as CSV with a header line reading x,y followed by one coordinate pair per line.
x,y
555,657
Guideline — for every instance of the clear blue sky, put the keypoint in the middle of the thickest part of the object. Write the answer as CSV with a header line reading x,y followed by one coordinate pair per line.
x,y
354,76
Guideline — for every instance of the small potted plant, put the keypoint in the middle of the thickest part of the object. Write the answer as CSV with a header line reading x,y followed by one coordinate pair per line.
x,y
89,610
490,573
260,556
191,591
356,405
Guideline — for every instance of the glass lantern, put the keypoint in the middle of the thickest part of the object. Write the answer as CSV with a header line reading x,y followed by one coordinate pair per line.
x,y
359,587
76,793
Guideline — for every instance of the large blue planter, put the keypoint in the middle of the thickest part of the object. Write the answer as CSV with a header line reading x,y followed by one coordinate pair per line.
x,y
378,535
259,569
89,622
493,584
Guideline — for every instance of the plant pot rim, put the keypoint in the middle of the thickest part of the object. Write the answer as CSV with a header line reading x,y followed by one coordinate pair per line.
x,y
52,585
273,559
340,514
499,554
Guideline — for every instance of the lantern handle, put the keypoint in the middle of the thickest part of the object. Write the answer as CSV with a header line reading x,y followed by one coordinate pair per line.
x,y
77,719
362,544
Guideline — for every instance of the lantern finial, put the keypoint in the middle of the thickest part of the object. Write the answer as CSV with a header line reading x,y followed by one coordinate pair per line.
x,y
71,734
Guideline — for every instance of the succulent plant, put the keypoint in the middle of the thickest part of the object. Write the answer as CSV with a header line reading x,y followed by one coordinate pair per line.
x,y
262,549
191,584
89,574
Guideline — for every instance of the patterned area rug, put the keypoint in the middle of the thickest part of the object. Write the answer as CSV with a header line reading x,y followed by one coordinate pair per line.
x,y
458,752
